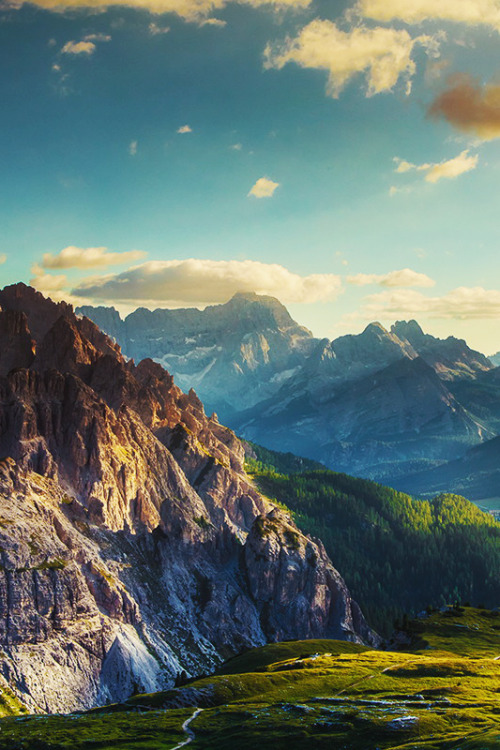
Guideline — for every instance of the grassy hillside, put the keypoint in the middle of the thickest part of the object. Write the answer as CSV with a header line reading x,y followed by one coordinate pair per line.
x,y
398,555
440,693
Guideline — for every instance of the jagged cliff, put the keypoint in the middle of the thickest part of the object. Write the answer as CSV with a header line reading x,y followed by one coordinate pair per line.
x,y
133,544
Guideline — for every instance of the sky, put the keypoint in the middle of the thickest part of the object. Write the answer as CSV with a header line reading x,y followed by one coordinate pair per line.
x,y
341,156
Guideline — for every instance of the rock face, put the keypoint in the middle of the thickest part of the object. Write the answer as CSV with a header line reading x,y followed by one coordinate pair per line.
x,y
133,545
379,404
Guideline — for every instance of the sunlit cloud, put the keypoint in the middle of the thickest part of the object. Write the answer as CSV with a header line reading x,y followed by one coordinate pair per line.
x,y
383,55
264,188
470,12
405,277
89,257
470,107
79,48
189,10
3,258
462,303
184,129
448,169
202,282
49,284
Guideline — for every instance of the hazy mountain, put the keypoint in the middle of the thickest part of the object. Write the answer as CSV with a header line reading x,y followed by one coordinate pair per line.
x,y
376,404
133,544
234,354
475,475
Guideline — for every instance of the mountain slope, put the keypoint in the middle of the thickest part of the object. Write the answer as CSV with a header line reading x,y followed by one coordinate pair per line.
x,y
389,422
399,554
135,547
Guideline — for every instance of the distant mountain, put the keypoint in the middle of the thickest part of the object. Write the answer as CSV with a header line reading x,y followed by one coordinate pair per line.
x,y
495,359
234,354
133,545
475,475
376,404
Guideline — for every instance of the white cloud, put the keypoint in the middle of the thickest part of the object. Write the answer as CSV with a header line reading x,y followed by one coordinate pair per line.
x,y
132,148
79,48
214,22
184,129
472,12
236,147
3,258
89,257
263,188
156,30
448,169
462,303
383,55
202,282
190,10
405,277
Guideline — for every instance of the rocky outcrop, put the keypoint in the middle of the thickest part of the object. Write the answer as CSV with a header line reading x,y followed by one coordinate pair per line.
x,y
133,545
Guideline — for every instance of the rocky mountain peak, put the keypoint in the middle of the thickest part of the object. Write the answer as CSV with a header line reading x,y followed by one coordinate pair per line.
x,y
137,547
409,330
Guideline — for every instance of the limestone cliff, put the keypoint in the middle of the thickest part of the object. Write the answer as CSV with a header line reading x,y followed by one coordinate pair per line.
x,y
132,543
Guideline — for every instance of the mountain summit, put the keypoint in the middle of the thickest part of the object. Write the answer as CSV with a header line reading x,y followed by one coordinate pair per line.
x,y
133,545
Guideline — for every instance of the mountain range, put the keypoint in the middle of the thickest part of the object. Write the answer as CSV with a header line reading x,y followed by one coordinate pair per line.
x,y
383,404
133,545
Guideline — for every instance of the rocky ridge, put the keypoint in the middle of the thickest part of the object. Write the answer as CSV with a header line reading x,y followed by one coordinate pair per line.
x,y
133,545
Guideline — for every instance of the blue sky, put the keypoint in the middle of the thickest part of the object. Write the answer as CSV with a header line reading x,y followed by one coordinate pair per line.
x,y
341,156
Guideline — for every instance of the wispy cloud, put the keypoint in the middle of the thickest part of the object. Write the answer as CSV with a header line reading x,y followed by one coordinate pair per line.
x,y
194,281
156,30
470,107
89,257
263,188
448,169
462,303
3,258
184,129
383,55
405,277
132,148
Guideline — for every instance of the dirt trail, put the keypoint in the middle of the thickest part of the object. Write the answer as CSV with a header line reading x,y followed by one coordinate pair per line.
x,y
187,730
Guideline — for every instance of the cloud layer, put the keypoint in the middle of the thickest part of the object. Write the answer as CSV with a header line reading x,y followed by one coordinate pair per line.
x,y
462,303
192,281
264,188
89,257
403,278
383,55
470,107
470,12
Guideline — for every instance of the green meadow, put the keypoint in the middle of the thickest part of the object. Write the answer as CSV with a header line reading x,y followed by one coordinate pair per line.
x,y
437,688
